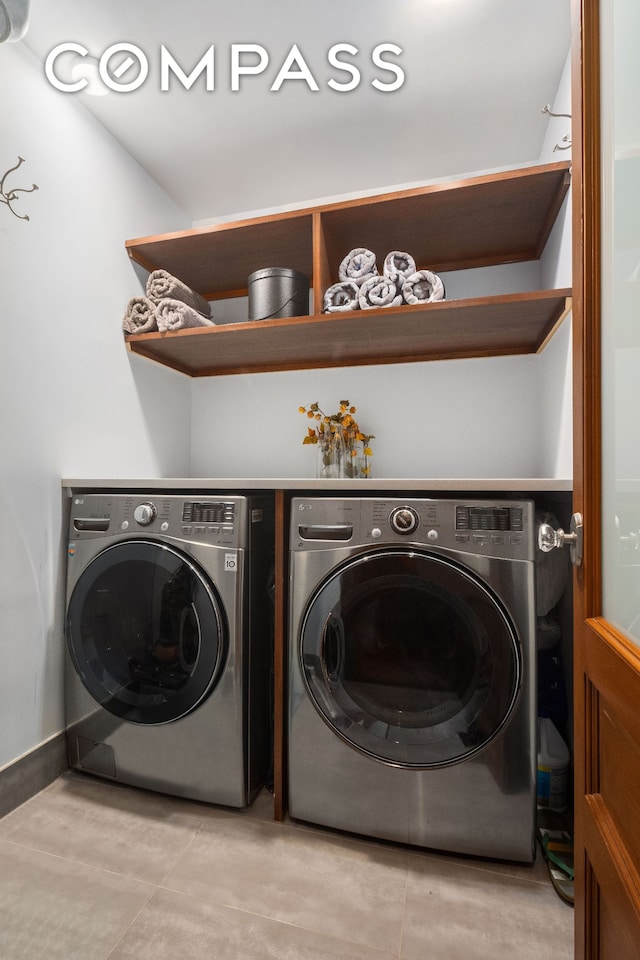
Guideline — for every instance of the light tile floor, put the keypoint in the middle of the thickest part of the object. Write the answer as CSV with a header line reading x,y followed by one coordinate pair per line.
x,y
94,871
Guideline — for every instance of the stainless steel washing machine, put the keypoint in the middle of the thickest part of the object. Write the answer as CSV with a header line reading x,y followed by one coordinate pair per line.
x,y
412,671
168,642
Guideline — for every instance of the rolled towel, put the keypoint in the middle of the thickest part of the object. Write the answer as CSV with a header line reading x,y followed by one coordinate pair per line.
x,y
423,287
341,296
398,266
379,292
163,286
358,266
176,315
140,316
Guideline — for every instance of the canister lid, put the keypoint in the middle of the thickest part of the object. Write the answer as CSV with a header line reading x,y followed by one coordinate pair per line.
x,y
278,272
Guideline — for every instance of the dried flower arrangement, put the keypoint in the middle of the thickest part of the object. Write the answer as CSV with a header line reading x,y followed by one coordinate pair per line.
x,y
344,449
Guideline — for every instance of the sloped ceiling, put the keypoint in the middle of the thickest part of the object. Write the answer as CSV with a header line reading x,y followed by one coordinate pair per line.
x,y
476,76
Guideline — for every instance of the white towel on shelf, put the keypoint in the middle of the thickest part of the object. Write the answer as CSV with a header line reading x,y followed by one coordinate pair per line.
x,y
379,292
163,286
139,316
423,287
340,297
176,315
358,265
398,266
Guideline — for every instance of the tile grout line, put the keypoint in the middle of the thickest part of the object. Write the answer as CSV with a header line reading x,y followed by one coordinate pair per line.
x,y
178,858
270,919
125,932
79,863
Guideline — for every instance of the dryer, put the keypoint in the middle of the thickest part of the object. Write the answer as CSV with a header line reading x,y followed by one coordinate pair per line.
x,y
168,652
412,671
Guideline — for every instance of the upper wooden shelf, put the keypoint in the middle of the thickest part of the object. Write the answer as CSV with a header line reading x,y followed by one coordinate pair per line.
x,y
451,329
497,218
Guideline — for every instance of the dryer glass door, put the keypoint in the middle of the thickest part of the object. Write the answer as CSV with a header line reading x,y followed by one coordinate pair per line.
x,y
145,631
410,658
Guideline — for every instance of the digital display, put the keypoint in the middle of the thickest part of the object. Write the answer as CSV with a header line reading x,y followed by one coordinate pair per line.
x,y
207,512
489,518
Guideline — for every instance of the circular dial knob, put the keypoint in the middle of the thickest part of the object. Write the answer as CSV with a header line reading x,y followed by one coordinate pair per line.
x,y
144,513
404,520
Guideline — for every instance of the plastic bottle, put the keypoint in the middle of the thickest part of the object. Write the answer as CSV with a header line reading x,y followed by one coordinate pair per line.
x,y
553,767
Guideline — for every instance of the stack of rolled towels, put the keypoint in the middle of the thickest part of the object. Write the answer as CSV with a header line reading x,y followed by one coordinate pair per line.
x,y
362,287
169,304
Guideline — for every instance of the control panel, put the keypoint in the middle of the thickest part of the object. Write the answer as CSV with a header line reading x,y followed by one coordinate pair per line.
x,y
501,529
208,520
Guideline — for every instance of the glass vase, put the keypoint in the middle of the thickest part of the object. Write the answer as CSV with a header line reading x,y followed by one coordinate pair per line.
x,y
330,457
356,460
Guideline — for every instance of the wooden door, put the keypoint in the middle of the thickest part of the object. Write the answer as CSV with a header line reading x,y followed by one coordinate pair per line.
x,y
607,491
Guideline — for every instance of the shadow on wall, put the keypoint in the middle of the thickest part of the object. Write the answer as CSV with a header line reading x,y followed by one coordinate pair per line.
x,y
165,406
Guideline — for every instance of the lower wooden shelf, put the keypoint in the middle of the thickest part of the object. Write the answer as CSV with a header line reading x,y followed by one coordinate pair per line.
x,y
451,329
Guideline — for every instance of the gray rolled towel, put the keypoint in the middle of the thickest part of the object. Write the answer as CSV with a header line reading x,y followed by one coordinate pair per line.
x,y
358,266
162,286
423,287
341,297
398,266
176,315
140,316
379,292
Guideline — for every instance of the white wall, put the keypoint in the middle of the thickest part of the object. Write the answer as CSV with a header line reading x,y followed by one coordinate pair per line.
x,y
72,400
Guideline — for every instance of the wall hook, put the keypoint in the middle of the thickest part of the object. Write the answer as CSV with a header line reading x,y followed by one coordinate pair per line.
x,y
566,140
11,197
547,109
565,143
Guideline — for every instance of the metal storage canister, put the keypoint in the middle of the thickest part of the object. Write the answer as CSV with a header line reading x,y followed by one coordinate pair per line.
x,y
278,292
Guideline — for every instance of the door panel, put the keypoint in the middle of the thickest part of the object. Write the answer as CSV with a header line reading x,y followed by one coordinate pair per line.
x,y
606,659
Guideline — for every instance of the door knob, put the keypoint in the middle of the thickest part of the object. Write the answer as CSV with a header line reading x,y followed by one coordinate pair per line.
x,y
550,538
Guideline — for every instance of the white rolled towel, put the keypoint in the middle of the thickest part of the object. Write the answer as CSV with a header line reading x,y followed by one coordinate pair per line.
x,y
358,265
379,292
423,287
162,285
140,316
340,297
398,266
176,315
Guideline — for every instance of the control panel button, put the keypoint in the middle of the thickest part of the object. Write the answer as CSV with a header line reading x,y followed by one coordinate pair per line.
x,y
125,524
432,536
164,526
376,533
144,513
404,520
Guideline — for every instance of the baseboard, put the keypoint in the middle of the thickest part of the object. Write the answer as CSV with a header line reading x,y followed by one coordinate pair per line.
x,y
30,774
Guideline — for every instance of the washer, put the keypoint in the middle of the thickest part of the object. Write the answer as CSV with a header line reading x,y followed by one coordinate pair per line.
x,y
168,652
412,671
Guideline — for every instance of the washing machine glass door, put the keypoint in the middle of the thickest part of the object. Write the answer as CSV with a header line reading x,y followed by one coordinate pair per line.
x,y
146,633
410,657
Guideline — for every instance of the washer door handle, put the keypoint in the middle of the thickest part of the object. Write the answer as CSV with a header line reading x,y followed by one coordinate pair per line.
x,y
332,652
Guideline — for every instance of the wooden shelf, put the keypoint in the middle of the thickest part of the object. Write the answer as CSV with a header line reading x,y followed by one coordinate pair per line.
x,y
481,221
216,261
451,329
497,218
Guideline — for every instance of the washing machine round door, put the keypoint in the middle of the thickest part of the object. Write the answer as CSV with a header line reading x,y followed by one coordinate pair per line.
x,y
410,658
146,632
